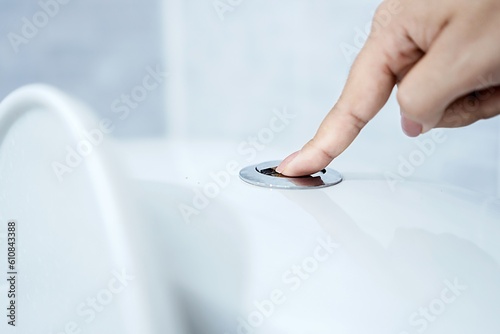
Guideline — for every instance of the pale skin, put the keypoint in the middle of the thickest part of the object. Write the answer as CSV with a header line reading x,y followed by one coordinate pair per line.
x,y
444,58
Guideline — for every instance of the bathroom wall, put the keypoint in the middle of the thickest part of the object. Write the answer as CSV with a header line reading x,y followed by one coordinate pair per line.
x,y
95,50
233,62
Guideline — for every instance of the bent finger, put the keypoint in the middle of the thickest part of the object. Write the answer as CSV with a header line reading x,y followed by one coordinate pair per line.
x,y
472,108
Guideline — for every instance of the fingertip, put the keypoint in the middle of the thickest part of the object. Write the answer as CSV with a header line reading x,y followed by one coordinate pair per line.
x,y
305,162
282,166
295,166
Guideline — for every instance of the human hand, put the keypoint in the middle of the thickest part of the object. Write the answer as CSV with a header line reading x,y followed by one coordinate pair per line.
x,y
444,56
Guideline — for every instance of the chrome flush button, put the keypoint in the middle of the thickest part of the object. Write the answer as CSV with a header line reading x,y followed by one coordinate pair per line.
x,y
265,175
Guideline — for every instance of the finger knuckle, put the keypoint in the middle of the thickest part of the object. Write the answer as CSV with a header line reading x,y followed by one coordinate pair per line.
x,y
407,101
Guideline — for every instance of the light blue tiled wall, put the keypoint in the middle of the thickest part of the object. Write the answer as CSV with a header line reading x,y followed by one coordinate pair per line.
x,y
95,50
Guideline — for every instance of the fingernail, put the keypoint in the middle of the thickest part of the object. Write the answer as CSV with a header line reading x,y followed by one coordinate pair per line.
x,y
285,162
411,128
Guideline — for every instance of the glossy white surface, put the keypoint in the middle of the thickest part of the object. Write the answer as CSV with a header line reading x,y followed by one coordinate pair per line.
x,y
212,254
79,253
422,247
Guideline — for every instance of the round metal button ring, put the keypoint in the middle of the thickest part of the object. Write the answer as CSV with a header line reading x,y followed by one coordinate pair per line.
x,y
265,175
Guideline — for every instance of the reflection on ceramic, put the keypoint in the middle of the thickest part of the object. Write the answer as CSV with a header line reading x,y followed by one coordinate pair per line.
x,y
210,253
354,258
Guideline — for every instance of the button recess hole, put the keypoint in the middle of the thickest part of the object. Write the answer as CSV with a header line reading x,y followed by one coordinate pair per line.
x,y
265,175
271,171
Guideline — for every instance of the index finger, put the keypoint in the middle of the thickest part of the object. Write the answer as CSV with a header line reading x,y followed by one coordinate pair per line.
x,y
367,89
